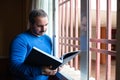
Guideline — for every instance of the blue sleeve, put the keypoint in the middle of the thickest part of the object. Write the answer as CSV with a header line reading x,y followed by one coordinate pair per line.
x,y
18,53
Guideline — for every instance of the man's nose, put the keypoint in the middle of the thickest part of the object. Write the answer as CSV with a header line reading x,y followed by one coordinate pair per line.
x,y
43,28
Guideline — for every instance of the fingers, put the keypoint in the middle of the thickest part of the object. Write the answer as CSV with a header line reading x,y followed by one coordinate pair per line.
x,y
52,72
60,68
48,71
50,67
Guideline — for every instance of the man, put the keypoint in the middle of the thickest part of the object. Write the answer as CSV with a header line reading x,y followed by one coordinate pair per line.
x,y
22,45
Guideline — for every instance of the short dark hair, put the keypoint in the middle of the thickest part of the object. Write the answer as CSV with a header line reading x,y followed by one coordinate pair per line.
x,y
36,12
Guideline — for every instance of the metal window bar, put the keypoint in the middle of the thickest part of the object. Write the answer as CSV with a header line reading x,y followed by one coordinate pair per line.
x,y
108,41
69,28
59,21
76,31
98,29
62,27
109,28
70,42
90,36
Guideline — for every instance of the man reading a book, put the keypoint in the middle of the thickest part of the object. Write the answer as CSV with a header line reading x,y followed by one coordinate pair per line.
x,y
23,43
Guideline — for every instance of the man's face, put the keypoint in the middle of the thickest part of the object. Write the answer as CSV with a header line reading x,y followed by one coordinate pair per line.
x,y
40,25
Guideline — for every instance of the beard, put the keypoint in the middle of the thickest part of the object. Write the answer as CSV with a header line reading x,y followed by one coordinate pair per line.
x,y
39,33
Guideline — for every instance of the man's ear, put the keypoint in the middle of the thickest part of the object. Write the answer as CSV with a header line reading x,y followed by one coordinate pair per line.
x,y
31,24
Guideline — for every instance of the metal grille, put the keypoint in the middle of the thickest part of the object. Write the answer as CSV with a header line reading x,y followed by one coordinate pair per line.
x,y
69,13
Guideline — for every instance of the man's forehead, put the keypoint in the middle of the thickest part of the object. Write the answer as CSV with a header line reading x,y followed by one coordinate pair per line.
x,y
41,19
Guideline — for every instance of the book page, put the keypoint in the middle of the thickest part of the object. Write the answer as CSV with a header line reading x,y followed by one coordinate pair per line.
x,y
69,56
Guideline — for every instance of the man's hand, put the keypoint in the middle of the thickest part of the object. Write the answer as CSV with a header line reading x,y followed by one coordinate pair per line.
x,y
60,68
47,70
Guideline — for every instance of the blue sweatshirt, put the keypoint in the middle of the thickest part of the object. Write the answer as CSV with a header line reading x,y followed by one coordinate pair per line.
x,y
19,50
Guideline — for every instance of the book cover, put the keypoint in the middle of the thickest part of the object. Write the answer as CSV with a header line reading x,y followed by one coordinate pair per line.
x,y
38,58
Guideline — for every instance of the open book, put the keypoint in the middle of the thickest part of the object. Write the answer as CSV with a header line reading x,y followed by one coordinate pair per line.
x,y
38,58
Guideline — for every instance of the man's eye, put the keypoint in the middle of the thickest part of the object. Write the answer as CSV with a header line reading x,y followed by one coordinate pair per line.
x,y
46,24
40,25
